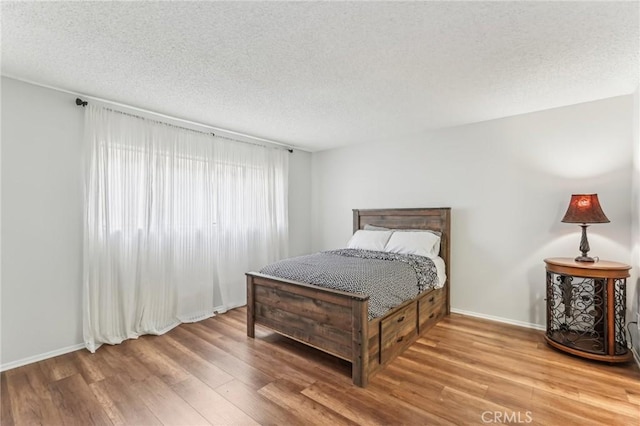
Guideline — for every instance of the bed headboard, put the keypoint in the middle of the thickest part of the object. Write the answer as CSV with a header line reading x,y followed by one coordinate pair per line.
x,y
433,219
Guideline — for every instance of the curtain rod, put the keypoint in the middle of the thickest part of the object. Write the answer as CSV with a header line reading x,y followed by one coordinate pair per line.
x,y
83,103
220,129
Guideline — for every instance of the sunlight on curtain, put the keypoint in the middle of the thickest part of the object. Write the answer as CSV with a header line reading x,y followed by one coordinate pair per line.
x,y
252,209
173,219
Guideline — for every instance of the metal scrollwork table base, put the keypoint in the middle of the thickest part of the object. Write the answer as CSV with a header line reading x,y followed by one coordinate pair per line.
x,y
586,305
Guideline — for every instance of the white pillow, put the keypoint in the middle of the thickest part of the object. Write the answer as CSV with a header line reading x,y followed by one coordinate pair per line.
x,y
423,243
369,240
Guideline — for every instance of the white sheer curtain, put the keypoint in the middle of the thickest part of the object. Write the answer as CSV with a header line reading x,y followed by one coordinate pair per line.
x,y
173,219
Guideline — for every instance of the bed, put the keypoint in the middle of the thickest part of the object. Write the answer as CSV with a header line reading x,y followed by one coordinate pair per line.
x,y
336,321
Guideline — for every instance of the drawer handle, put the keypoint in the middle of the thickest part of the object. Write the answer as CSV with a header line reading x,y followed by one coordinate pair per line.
x,y
400,339
431,299
401,319
431,316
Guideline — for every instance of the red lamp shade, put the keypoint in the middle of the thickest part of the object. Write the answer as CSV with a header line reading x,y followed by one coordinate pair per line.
x,y
584,208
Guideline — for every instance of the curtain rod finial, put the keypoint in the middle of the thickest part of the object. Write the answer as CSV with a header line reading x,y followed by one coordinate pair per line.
x,y
80,102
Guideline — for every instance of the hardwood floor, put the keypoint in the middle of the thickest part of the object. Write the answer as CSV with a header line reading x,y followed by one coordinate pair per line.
x,y
465,371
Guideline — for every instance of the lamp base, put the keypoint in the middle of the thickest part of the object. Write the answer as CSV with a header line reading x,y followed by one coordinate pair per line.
x,y
584,259
584,246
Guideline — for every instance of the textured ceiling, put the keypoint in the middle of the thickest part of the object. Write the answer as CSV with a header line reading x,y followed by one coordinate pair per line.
x,y
318,75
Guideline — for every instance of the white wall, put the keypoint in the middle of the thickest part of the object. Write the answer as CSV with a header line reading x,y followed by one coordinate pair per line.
x,y
634,305
508,182
299,203
42,224
41,221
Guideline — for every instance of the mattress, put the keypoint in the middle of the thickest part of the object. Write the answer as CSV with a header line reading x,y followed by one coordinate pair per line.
x,y
389,279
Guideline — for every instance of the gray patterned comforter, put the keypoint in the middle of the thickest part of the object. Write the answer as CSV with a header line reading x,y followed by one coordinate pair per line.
x,y
387,278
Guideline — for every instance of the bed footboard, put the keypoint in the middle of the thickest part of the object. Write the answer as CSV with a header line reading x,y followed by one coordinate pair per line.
x,y
330,320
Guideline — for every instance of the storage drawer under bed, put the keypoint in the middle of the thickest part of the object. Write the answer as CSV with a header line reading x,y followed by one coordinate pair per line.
x,y
431,308
397,331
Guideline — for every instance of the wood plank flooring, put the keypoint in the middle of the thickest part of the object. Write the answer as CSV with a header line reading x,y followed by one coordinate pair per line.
x,y
465,371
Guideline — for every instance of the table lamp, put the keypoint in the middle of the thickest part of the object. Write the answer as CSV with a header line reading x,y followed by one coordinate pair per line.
x,y
584,209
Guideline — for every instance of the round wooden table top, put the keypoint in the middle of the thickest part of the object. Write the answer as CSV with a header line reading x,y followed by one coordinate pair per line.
x,y
599,265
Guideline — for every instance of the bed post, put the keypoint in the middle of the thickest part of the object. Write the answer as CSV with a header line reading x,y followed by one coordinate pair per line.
x,y
360,342
356,220
251,325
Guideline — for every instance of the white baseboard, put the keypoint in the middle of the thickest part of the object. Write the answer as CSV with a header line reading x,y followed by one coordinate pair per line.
x,y
57,352
499,319
40,357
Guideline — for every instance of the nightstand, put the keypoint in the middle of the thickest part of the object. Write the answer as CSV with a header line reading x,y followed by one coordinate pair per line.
x,y
586,305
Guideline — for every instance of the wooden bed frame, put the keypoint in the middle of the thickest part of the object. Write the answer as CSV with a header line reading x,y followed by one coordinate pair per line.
x,y
336,322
